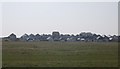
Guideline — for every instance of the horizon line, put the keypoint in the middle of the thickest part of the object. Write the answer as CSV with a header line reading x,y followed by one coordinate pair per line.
x,y
1,36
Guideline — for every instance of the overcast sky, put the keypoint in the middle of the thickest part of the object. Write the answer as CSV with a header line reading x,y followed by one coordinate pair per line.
x,y
65,17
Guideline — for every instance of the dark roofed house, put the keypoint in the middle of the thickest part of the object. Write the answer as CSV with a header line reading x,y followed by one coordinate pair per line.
x,y
64,37
12,37
24,37
115,38
88,36
37,37
50,38
44,37
31,37
56,36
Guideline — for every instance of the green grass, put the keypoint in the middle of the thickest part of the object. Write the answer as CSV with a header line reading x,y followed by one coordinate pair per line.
x,y
60,54
0,54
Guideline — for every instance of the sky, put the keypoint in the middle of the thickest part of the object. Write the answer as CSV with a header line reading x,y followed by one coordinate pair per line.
x,y
65,17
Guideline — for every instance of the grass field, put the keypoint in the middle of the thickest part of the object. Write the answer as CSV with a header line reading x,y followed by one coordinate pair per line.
x,y
0,53
60,54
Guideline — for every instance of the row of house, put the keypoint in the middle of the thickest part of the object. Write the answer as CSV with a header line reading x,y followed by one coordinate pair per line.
x,y
56,36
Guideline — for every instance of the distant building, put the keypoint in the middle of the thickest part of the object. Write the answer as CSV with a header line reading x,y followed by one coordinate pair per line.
x,y
44,37
24,37
37,37
31,37
56,36
50,38
12,37
64,37
115,38
86,34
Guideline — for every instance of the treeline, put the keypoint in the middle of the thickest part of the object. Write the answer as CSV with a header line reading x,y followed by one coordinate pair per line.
x,y
56,36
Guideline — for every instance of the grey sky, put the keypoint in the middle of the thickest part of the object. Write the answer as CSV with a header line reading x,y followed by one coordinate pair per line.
x,y
59,0
65,17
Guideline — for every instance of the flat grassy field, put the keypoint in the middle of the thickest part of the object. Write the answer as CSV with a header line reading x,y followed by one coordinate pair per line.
x,y
60,54
0,53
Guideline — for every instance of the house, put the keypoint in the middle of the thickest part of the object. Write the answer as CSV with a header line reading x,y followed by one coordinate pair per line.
x,y
24,37
50,38
64,37
72,38
115,38
56,36
12,37
87,36
37,37
44,37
